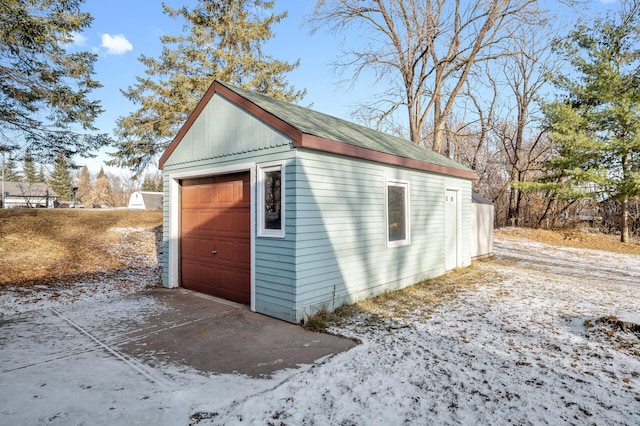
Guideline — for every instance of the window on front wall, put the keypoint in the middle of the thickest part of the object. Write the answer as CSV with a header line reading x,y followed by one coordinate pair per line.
x,y
271,201
398,226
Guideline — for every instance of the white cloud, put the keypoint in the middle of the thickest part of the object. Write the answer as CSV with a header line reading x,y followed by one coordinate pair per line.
x,y
78,39
116,44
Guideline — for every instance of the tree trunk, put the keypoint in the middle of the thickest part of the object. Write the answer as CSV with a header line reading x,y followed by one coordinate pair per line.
x,y
438,121
624,202
624,220
512,214
413,106
438,136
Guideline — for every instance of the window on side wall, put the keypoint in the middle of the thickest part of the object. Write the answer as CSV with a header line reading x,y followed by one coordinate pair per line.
x,y
271,200
398,213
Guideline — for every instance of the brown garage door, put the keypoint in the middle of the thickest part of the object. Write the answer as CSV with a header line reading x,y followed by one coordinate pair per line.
x,y
216,236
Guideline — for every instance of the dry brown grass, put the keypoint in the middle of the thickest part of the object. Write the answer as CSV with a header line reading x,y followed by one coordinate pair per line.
x,y
425,296
37,245
576,238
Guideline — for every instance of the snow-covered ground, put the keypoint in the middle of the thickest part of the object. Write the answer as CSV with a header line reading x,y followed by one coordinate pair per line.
x,y
525,347
138,249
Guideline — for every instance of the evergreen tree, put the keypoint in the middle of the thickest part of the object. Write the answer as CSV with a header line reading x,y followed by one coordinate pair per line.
x,y
152,183
29,168
39,78
596,126
60,180
41,178
11,172
224,42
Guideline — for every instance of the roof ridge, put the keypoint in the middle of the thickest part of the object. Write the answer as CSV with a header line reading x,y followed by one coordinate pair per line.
x,y
312,122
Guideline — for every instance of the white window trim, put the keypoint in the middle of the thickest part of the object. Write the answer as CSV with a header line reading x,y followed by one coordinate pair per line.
x,y
407,209
262,169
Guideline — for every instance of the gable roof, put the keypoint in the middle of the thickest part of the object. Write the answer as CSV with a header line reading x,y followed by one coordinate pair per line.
x,y
314,130
152,200
28,189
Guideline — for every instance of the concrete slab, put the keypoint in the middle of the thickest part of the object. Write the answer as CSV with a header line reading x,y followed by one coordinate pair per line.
x,y
205,333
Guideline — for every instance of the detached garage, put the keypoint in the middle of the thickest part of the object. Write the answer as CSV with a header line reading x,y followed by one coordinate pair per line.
x,y
291,211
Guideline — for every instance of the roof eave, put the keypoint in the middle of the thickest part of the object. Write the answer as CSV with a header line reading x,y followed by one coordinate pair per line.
x,y
327,145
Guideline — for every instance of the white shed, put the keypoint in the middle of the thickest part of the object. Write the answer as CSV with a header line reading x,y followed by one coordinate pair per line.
x,y
146,200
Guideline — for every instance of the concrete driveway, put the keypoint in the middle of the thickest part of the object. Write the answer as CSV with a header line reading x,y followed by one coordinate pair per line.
x,y
188,328
216,336
86,362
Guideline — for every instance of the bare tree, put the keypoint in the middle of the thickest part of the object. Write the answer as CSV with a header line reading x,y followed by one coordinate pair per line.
x,y
423,50
524,142
470,126
122,187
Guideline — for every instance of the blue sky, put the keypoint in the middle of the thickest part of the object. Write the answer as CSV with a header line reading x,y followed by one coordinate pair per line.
x,y
122,30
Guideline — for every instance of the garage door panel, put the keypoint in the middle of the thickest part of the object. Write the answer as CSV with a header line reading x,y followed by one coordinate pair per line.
x,y
193,271
233,251
226,250
245,198
215,215
189,247
224,222
242,222
190,222
207,195
207,221
227,194
197,247
189,197
231,285
244,250
205,251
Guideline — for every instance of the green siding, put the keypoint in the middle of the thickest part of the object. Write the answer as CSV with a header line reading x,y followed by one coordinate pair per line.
x,y
335,250
222,130
341,249
275,267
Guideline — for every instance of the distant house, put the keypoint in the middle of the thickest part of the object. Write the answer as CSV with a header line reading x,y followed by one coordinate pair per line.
x,y
27,195
146,200
291,211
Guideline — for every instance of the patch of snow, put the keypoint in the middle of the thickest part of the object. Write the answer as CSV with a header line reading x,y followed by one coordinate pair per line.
x,y
524,347
139,251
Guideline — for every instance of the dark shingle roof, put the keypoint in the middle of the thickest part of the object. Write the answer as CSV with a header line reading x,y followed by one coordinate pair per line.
x,y
28,189
475,198
333,128
152,200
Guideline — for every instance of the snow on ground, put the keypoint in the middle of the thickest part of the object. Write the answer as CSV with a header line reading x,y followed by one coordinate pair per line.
x,y
138,250
525,347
